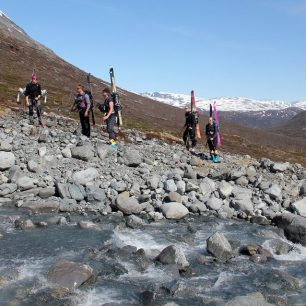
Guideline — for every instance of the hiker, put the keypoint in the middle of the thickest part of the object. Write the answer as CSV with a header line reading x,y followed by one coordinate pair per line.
x,y
110,117
190,126
32,96
83,104
212,139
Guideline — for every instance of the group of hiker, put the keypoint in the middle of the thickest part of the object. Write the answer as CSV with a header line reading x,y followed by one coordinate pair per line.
x,y
84,105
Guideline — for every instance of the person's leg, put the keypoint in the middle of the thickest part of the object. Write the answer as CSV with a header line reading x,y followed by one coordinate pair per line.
x,y
211,149
31,111
87,126
193,138
82,121
216,156
185,138
39,113
111,122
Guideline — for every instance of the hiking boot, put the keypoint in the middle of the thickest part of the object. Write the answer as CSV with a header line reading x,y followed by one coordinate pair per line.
x,y
216,159
113,143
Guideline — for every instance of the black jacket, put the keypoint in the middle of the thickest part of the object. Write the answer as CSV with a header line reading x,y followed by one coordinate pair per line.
x,y
211,131
33,90
190,120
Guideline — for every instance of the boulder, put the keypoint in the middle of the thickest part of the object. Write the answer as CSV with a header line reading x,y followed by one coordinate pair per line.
x,y
83,153
190,173
279,167
47,192
7,160
37,207
174,197
68,274
88,225
248,301
6,189
300,207
174,210
66,152
25,183
42,151
173,255
33,166
275,192
85,176
294,227
251,171
170,186
181,187
214,203
154,181
219,246
207,186
134,222
132,158
129,205
225,189
104,150
24,224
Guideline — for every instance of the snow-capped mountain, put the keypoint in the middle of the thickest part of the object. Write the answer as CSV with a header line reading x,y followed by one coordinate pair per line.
x,y
225,104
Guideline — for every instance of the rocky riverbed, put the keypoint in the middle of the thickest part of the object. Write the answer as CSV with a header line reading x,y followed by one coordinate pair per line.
x,y
146,224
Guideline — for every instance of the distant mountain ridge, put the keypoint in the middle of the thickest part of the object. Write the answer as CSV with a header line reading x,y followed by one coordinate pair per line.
x,y
225,104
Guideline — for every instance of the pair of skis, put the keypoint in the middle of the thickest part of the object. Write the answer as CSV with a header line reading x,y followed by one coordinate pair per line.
x,y
115,96
214,114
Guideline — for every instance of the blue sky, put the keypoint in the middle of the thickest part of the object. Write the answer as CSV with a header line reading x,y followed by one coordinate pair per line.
x,y
249,48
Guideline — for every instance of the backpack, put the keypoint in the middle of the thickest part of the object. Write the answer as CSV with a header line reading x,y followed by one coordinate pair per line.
x,y
88,92
104,107
117,105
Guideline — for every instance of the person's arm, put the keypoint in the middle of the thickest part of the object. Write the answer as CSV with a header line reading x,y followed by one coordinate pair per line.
x,y
88,104
111,110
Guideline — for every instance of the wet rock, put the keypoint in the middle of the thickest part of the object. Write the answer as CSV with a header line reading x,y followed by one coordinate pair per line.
x,y
85,176
7,160
173,255
214,203
280,247
88,225
37,207
219,246
248,301
141,260
147,298
129,205
294,227
83,153
277,300
280,280
24,224
68,274
134,222
300,207
261,220
174,210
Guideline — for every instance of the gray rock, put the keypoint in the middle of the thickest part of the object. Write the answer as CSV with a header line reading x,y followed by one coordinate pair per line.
x,y
132,158
207,186
279,167
6,146
25,183
88,225
7,160
261,220
170,186
37,207
294,227
134,222
247,301
181,187
219,246
174,197
129,205
83,153
251,171
119,186
236,174
66,152
48,192
300,207
280,247
225,189
70,275
85,176
153,181
214,203
190,173
104,150
242,181
76,192
6,189
95,194
173,255
198,207
275,192
24,224
303,189
174,210
33,166
42,151
242,201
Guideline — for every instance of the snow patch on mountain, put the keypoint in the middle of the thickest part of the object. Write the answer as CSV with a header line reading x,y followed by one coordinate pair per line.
x,y
237,104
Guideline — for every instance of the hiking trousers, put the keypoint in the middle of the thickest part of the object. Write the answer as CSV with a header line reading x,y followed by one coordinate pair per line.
x,y
111,122
33,104
85,123
189,133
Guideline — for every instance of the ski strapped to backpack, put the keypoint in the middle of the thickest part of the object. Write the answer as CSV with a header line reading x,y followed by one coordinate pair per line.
x,y
196,114
89,93
216,120
115,97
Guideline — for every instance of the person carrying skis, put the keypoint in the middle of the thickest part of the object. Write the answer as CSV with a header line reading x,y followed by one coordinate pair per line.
x,y
190,126
212,139
32,96
83,104
110,117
